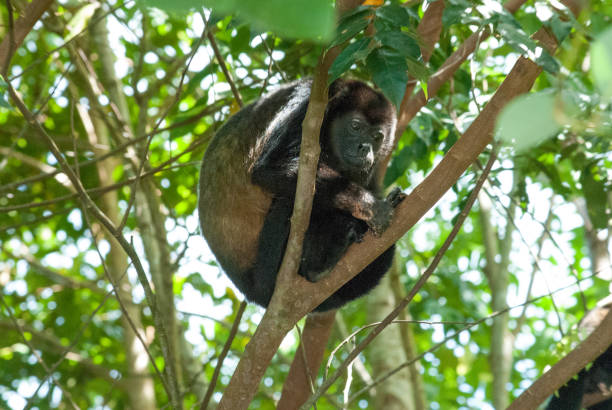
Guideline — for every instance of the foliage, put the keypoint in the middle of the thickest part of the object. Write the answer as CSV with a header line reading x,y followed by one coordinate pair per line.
x,y
298,19
132,95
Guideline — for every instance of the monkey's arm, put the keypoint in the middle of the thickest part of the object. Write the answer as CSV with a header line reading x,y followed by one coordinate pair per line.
x,y
278,175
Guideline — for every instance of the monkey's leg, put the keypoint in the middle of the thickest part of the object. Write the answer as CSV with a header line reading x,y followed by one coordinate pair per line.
x,y
361,284
270,251
329,235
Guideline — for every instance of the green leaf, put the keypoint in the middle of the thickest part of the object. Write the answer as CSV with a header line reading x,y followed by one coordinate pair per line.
x,y
594,190
510,29
530,23
388,70
548,62
351,25
452,14
560,28
241,42
3,99
419,71
403,43
356,51
422,126
399,165
601,62
309,19
527,121
419,148
394,14
400,162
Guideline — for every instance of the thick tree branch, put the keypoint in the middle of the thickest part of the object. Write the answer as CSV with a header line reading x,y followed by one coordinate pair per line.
x,y
279,317
297,386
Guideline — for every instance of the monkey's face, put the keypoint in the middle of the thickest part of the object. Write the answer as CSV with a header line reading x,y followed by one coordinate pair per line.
x,y
355,143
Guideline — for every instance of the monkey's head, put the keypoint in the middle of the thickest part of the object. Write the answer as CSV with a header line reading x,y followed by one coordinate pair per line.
x,y
358,129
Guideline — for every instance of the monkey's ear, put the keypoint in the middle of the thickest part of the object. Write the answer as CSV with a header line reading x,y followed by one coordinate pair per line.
x,y
336,88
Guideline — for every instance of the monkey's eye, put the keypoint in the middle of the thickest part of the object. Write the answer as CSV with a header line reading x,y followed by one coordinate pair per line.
x,y
379,135
355,125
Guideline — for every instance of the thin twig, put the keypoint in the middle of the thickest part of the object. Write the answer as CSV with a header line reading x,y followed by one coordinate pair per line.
x,y
305,358
164,166
217,106
35,352
223,65
467,327
226,348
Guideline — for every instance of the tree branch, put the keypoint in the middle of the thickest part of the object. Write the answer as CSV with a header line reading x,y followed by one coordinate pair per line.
x,y
221,358
560,373
20,29
297,388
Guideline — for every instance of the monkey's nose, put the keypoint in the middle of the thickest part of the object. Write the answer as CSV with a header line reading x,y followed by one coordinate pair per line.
x,y
365,149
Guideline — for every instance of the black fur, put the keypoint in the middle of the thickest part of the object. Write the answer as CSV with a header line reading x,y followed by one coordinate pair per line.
x,y
248,179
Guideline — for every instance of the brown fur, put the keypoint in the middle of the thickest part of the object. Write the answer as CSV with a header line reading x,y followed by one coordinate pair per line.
x,y
232,209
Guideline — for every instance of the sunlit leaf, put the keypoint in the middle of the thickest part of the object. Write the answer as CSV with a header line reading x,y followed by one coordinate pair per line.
x,y
354,52
394,14
350,25
601,62
527,121
311,19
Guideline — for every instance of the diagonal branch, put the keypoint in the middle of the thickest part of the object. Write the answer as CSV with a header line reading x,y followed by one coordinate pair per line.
x,y
20,29
583,354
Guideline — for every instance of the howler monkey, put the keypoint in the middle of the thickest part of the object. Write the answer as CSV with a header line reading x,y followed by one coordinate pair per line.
x,y
249,175
596,378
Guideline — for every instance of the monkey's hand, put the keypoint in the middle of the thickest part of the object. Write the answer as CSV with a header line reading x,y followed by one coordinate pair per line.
x,y
382,211
395,197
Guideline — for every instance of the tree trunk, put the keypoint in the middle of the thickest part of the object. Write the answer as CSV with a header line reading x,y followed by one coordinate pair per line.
x,y
386,351
502,340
